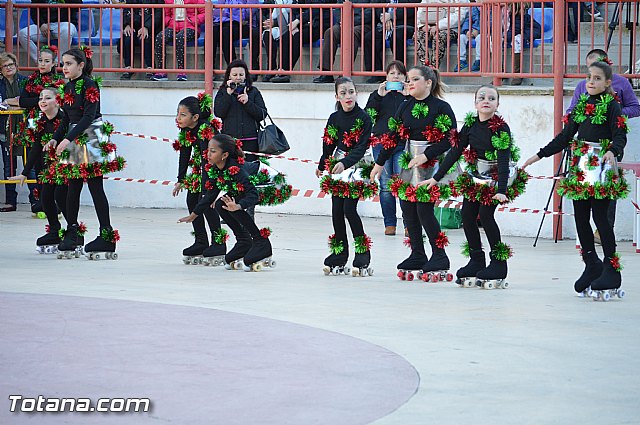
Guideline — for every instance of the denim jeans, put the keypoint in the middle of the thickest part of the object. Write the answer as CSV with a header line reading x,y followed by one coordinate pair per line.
x,y
64,32
387,200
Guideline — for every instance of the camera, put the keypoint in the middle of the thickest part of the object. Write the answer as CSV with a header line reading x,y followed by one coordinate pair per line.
x,y
238,88
394,85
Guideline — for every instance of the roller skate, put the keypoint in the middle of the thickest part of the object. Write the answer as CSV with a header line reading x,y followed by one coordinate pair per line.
x,y
411,267
493,276
592,270
214,254
36,210
259,256
233,259
48,244
335,263
466,276
437,268
193,254
71,244
103,246
608,284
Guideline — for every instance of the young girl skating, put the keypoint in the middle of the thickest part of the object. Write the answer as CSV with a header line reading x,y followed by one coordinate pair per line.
x,y
226,174
345,141
490,179
593,179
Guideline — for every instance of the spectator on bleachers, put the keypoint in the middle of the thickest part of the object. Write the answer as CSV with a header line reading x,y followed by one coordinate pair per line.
x,y
362,24
311,23
438,26
57,23
521,25
10,86
397,25
275,28
227,23
140,28
180,25
469,30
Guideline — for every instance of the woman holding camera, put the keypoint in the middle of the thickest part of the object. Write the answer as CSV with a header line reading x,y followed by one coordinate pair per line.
x,y
240,107
382,105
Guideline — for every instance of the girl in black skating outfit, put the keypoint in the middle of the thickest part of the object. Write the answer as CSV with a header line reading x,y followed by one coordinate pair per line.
x,y
195,132
423,120
225,173
39,159
345,141
84,150
593,178
489,156
382,105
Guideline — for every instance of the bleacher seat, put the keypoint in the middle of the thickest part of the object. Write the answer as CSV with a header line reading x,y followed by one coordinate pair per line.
x,y
547,31
109,32
87,28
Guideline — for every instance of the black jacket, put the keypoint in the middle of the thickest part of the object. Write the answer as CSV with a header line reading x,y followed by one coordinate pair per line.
x,y
82,110
3,92
238,120
344,122
385,107
35,159
248,197
147,17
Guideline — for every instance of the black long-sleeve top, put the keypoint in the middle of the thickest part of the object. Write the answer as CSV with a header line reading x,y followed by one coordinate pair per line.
x,y
81,107
385,107
240,120
44,126
345,122
416,126
45,16
590,132
30,95
246,198
185,153
478,137
149,18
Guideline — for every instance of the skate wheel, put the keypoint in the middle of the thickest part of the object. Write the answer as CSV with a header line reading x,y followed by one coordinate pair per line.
x,y
410,276
347,270
272,263
505,285
370,271
355,272
59,256
114,256
326,270
400,275
435,278
237,265
605,296
186,260
469,283
620,293
488,285
449,277
228,266
96,257
424,277
256,267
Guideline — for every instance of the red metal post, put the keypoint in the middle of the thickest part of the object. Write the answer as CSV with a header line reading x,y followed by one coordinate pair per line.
x,y
208,47
494,42
558,92
346,41
8,36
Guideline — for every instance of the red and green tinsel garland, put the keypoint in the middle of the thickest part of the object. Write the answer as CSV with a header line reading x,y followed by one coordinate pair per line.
x,y
110,235
62,173
271,192
354,190
501,252
615,262
597,113
330,135
465,249
575,188
220,236
388,141
442,240
373,114
224,181
484,193
82,229
265,232
336,246
362,244
407,192
351,137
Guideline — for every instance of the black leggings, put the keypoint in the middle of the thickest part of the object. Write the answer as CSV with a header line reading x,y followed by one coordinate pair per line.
x,y
341,208
599,207
210,215
100,201
470,211
51,195
420,214
239,222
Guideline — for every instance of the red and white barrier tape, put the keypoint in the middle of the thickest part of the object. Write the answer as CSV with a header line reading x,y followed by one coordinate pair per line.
x,y
142,136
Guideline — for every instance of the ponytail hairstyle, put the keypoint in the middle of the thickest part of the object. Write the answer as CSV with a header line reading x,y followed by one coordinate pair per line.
x,y
608,74
340,81
195,106
82,55
437,87
229,145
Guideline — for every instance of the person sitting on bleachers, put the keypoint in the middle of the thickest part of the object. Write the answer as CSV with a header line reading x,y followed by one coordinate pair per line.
x,y
438,26
59,24
469,30
521,25
140,28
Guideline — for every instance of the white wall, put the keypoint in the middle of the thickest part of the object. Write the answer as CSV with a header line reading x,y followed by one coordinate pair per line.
x,y
302,115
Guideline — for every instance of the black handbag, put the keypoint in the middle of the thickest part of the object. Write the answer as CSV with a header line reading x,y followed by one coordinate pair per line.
x,y
271,139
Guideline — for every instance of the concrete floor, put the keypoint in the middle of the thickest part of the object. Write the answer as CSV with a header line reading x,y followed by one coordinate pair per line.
x,y
532,354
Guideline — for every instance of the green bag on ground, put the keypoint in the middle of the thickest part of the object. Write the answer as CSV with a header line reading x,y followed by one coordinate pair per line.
x,y
449,218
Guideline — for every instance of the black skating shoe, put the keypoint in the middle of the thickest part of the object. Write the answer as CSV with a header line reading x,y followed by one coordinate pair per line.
x,y
335,263
259,255
437,268
413,263
493,276
48,243
193,254
609,282
362,259
592,270
103,246
466,276
71,244
214,254
239,250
